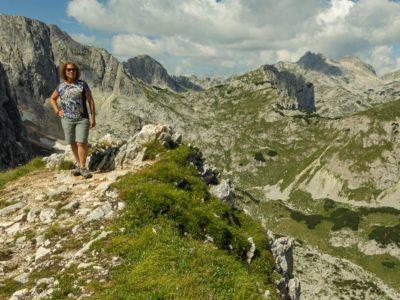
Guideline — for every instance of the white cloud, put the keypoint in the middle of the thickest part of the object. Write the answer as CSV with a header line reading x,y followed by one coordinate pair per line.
x,y
383,59
235,35
126,45
339,10
85,39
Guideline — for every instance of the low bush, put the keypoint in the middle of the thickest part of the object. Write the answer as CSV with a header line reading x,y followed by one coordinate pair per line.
x,y
385,234
343,217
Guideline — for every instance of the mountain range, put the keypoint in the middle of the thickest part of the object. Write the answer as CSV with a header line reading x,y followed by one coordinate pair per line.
x,y
312,146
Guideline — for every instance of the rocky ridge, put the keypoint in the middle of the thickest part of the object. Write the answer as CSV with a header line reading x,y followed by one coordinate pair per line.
x,y
271,150
50,222
344,86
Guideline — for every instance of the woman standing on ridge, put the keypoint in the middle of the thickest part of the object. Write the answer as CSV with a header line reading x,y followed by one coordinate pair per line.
x,y
75,119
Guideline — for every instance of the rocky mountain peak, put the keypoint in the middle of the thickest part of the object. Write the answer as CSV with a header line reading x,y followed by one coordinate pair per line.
x,y
317,62
357,63
150,71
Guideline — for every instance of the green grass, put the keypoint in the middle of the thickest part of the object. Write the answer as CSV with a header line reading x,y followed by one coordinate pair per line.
x,y
54,230
66,165
169,213
278,218
384,112
9,287
153,149
12,175
66,284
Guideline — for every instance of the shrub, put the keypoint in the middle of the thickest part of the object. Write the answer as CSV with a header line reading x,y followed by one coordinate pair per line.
x,y
272,153
386,234
310,220
344,217
258,156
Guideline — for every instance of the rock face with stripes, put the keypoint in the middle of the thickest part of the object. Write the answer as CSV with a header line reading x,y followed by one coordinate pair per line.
x,y
14,146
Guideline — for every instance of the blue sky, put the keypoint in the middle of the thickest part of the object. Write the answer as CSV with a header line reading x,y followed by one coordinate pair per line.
x,y
208,37
50,12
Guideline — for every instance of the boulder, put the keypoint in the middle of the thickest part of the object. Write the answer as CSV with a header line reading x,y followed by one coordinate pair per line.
x,y
282,250
224,191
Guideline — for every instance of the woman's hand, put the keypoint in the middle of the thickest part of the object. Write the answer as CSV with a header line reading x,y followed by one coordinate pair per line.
x,y
92,121
60,113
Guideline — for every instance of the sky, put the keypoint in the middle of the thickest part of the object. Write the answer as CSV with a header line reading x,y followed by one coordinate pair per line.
x,y
210,37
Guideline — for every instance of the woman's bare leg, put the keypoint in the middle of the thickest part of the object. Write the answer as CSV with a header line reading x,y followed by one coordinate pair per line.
x,y
74,148
82,153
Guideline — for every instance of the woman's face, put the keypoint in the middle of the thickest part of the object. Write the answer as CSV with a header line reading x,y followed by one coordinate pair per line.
x,y
70,72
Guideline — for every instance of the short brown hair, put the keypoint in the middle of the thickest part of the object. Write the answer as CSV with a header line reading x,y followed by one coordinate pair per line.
x,y
64,68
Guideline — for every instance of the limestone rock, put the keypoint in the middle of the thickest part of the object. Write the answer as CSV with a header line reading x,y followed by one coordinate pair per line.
x,y
11,209
129,152
23,278
20,294
282,250
47,215
53,160
13,229
224,191
294,289
99,212
41,252
32,214
71,206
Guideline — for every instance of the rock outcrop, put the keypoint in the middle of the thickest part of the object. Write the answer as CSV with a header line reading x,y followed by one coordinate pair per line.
x,y
317,62
293,87
282,249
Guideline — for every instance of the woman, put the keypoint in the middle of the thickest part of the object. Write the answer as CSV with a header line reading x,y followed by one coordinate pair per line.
x,y
75,119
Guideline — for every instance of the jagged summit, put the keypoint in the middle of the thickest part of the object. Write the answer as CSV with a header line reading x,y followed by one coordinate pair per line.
x,y
318,62
150,71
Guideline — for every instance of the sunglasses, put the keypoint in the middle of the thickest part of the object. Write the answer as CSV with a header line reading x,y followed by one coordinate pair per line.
x,y
70,70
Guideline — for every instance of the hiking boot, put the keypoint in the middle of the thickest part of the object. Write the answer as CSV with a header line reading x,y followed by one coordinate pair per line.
x,y
76,171
85,173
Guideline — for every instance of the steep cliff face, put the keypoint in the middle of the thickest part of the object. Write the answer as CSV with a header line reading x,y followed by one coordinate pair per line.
x,y
151,72
14,146
31,53
27,57
292,87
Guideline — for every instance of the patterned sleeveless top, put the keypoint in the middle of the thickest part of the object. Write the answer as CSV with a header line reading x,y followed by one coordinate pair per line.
x,y
73,99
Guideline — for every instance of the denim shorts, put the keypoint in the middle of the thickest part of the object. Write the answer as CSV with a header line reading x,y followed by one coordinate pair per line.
x,y
75,130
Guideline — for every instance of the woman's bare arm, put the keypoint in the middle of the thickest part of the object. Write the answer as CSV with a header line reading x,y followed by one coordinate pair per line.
x,y
53,99
92,108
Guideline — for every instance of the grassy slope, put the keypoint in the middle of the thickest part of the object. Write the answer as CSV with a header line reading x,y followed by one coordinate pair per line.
x,y
11,175
169,212
294,143
231,125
